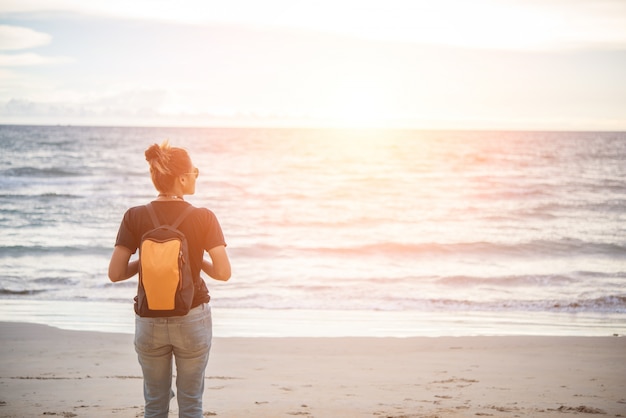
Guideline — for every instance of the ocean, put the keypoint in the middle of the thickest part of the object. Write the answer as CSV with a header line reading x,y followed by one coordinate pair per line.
x,y
333,232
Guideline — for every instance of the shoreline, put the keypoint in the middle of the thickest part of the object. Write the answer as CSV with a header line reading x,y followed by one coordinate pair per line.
x,y
50,371
119,317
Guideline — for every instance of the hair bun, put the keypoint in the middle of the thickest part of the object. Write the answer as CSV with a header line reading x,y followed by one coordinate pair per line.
x,y
158,156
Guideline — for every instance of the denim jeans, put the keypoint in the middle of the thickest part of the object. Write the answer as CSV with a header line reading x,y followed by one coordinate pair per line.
x,y
188,340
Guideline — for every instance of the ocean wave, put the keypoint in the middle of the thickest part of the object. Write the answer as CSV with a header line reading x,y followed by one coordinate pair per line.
x,y
40,172
49,195
63,281
542,248
609,304
508,281
21,292
489,194
604,304
13,251
554,208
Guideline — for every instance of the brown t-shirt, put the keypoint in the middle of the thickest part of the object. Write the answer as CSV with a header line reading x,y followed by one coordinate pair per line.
x,y
201,228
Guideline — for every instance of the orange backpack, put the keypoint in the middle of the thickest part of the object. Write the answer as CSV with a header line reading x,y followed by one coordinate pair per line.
x,y
166,285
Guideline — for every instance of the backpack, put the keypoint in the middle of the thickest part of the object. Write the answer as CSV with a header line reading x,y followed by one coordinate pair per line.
x,y
166,285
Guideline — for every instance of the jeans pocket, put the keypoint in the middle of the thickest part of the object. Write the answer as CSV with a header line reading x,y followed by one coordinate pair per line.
x,y
144,334
197,333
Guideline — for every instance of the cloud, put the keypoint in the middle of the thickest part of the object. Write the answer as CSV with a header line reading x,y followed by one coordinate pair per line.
x,y
483,24
116,110
125,105
16,38
56,112
314,65
30,59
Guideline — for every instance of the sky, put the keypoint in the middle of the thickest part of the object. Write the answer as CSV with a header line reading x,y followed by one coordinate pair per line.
x,y
446,64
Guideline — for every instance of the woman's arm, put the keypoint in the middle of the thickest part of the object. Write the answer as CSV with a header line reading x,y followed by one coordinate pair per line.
x,y
119,267
219,266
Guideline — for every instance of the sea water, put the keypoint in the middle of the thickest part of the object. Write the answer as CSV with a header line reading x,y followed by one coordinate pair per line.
x,y
333,232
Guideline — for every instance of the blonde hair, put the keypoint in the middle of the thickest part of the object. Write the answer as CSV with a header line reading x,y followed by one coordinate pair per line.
x,y
166,163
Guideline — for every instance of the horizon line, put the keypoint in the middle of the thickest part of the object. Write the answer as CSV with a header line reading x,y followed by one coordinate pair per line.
x,y
318,127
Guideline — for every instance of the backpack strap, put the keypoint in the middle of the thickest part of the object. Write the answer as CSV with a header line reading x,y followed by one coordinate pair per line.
x,y
153,216
177,222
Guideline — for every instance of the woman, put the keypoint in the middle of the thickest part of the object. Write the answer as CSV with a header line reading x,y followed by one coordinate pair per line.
x,y
186,339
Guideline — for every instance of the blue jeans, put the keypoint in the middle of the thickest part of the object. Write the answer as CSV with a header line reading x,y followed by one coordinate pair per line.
x,y
187,339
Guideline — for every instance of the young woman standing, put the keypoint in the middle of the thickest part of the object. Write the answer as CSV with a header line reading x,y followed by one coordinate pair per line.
x,y
183,339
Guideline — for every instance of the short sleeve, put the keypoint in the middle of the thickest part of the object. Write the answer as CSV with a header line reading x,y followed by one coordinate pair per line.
x,y
125,236
214,236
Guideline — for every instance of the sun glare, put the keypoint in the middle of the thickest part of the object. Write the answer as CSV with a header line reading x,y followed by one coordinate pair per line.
x,y
359,106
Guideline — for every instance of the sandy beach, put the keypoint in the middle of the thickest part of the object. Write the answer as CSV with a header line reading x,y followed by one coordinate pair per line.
x,y
46,371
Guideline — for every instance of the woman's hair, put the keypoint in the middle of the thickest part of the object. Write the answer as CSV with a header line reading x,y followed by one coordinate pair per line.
x,y
166,163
